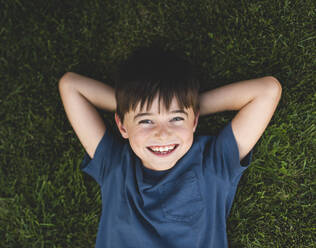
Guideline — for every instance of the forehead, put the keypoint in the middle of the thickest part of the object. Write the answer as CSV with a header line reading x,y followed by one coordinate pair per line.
x,y
157,107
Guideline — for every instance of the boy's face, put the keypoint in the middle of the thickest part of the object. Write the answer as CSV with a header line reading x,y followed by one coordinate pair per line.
x,y
169,133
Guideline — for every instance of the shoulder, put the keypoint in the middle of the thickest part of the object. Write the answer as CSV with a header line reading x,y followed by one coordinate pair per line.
x,y
204,142
112,145
223,142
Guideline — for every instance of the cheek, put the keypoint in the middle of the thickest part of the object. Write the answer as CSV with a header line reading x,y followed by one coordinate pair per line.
x,y
186,134
183,130
142,132
139,136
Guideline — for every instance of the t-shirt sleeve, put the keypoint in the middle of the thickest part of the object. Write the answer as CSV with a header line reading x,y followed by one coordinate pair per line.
x,y
226,155
99,166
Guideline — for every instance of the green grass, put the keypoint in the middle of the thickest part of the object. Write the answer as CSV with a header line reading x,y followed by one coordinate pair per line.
x,y
46,201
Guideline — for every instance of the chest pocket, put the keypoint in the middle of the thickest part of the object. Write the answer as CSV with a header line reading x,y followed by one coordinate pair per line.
x,y
181,199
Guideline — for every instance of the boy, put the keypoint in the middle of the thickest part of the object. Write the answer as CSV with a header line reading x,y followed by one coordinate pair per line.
x,y
163,186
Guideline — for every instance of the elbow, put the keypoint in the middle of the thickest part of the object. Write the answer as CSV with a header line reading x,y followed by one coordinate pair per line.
x,y
63,80
65,76
273,85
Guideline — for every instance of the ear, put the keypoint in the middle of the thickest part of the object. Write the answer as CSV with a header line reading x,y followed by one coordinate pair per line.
x,y
121,127
196,120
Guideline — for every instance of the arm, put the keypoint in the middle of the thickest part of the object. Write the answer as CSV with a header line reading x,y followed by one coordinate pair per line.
x,y
256,101
80,95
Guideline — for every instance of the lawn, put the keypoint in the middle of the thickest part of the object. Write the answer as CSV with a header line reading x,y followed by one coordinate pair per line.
x,y
46,201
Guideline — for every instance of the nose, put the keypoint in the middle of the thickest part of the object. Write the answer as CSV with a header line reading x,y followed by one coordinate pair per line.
x,y
162,131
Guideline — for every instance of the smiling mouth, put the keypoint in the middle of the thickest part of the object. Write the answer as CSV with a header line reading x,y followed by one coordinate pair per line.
x,y
162,151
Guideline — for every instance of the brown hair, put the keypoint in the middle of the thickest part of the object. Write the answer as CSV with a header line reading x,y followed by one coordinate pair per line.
x,y
153,71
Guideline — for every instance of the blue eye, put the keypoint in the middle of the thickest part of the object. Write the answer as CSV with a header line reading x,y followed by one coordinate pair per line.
x,y
178,118
144,122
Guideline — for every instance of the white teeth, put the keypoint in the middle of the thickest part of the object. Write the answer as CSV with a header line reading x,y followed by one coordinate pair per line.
x,y
162,149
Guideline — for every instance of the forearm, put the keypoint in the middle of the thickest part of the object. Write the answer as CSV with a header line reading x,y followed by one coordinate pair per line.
x,y
236,95
99,94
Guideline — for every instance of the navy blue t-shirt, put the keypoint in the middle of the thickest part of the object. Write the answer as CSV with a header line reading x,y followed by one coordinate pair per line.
x,y
183,207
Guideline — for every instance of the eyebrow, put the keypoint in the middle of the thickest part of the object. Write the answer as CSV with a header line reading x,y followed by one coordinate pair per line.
x,y
150,114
